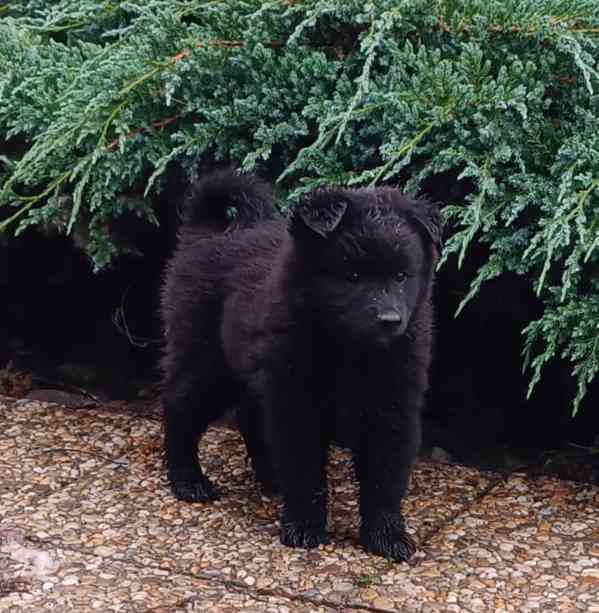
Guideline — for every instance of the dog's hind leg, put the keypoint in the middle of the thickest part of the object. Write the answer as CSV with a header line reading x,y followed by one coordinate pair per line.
x,y
191,402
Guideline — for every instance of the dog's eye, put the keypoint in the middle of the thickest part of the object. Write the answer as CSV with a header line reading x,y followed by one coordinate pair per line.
x,y
401,276
354,276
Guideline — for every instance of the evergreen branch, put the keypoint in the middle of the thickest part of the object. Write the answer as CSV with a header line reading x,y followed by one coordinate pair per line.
x,y
402,152
57,29
32,200
113,115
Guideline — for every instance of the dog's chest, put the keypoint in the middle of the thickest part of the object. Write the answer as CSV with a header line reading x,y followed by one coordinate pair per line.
x,y
346,397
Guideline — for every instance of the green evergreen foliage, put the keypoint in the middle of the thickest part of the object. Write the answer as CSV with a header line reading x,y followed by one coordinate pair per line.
x,y
103,95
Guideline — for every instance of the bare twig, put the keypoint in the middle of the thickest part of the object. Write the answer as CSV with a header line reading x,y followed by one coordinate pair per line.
x,y
120,321
158,125
80,451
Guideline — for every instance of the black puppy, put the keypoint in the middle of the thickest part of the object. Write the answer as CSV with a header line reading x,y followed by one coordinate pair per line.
x,y
301,324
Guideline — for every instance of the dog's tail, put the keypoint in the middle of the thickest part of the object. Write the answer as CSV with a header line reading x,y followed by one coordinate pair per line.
x,y
227,200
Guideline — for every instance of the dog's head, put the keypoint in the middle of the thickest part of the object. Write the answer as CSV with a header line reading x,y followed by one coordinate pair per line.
x,y
369,256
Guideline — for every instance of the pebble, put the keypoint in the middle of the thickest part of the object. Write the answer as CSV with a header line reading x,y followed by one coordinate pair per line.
x,y
382,603
368,595
343,586
104,551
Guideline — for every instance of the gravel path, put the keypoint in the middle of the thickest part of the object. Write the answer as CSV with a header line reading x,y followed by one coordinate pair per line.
x,y
87,523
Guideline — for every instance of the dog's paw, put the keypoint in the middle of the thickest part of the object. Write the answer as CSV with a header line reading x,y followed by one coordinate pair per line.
x,y
199,489
302,534
387,537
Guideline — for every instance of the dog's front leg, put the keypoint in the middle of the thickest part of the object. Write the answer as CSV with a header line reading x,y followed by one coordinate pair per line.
x,y
299,446
390,442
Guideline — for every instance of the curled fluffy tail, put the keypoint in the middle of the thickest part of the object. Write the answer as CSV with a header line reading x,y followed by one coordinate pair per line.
x,y
227,200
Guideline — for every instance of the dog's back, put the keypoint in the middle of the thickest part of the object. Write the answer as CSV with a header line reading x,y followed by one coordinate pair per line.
x,y
230,236
222,227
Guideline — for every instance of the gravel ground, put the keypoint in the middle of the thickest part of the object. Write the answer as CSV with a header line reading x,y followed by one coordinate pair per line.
x,y
87,523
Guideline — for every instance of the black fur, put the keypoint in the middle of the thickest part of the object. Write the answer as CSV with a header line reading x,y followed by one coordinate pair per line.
x,y
302,324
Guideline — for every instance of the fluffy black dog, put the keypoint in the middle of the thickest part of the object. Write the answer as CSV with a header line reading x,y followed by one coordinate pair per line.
x,y
302,324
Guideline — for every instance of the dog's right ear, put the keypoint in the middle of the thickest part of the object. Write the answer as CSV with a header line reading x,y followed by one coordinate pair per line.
x,y
317,216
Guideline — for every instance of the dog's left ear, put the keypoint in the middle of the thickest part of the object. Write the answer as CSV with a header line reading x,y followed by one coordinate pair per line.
x,y
317,216
427,215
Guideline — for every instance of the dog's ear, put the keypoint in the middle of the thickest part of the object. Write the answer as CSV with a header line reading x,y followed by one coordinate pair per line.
x,y
427,215
317,216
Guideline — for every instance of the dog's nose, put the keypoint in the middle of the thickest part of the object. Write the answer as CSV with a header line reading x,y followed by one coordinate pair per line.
x,y
390,319
391,324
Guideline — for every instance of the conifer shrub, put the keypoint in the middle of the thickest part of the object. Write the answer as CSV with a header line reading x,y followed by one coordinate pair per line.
x,y
97,98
